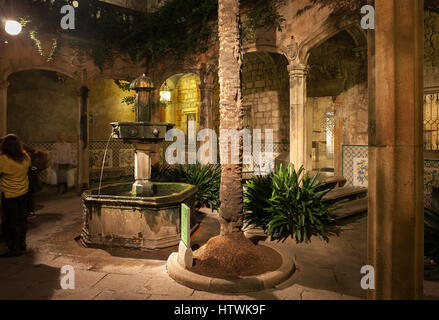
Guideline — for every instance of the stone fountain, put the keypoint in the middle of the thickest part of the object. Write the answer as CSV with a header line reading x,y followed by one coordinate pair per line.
x,y
143,214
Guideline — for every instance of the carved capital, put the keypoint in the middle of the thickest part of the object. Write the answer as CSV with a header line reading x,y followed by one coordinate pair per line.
x,y
292,51
298,70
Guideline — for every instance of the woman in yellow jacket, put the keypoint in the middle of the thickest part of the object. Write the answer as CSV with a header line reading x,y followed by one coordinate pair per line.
x,y
14,167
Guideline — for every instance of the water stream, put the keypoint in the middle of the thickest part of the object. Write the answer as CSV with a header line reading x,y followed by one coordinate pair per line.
x,y
103,163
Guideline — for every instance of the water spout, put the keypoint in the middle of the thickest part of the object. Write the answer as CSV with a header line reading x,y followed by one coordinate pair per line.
x,y
103,162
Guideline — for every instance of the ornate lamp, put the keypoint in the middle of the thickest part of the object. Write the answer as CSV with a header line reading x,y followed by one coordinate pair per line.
x,y
165,94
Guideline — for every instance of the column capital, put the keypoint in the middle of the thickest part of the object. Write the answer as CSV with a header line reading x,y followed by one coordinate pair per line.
x,y
4,84
298,69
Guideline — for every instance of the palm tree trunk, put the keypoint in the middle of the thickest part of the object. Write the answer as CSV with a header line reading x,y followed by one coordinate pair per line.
x,y
231,114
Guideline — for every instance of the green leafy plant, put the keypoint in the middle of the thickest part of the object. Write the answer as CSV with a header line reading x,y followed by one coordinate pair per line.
x,y
261,14
160,172
288,203
205,177
257,193
125,86
431,238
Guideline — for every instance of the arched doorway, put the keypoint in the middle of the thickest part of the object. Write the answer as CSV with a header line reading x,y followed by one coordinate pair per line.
x,y
265,92
184,103
338,100
41,105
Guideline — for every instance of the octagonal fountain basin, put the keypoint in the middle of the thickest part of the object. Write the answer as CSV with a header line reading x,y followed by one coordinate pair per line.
x,y
115,218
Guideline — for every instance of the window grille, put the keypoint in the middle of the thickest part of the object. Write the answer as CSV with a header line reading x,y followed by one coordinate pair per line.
x,y
431,121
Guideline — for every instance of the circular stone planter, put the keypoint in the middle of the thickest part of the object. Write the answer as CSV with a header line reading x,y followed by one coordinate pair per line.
x,y
245,284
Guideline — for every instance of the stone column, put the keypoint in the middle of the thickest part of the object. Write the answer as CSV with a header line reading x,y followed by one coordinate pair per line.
x,y
300,142
83,139
206,117
396,220
142,170
3,107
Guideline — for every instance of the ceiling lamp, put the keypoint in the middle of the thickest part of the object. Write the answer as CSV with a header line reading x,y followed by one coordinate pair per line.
x,y
13,27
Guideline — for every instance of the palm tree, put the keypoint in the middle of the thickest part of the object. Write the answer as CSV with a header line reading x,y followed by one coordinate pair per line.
x,y
231,252
231,113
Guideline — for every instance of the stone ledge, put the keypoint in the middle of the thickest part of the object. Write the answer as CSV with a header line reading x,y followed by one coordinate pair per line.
x,y
246,284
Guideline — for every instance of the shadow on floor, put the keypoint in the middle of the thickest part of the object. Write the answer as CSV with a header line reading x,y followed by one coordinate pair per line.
x,y
43,218
24,279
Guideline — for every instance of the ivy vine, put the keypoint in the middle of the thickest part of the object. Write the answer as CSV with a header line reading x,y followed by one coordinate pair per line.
x,y
33,35
40,49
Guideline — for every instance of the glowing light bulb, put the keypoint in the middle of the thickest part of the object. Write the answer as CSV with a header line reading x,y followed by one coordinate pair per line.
x,y
75,4
13,27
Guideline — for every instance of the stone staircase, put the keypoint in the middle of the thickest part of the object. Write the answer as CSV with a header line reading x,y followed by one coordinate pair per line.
x,y
352,200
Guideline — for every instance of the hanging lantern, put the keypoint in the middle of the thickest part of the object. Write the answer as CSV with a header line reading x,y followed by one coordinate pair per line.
x,y
165,93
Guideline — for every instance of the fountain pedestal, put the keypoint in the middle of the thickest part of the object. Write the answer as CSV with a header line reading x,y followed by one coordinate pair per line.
x,y
142,187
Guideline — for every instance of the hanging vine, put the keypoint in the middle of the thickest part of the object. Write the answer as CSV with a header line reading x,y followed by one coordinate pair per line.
x,y
261,14
40,49
33,35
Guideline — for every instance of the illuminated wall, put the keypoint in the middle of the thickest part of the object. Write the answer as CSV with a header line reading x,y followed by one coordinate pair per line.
x,y
265,90
41,104
105,106
185,101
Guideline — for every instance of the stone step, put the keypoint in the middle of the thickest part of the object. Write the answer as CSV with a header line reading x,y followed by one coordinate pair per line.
x,y
338,180
345,193
351,208
332,182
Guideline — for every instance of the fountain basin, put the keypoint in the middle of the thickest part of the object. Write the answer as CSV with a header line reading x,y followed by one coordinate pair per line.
x,y
115,218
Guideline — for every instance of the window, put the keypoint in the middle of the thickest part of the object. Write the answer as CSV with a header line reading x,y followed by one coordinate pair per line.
x,y
431,121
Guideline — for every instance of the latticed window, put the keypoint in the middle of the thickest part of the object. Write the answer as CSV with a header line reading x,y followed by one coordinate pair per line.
x,y
431,121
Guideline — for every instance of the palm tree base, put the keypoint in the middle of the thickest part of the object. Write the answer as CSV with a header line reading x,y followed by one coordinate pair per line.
x,y
234,256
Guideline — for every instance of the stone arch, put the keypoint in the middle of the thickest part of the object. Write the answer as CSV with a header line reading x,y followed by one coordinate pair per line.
x,y
337,96
6,73
327,31
185,99
264,48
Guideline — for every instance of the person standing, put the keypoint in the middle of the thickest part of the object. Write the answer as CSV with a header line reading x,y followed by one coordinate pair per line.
x,y
14,167
39,160
62,162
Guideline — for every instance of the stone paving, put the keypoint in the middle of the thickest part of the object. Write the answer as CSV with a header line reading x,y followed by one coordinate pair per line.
x,y
324,270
